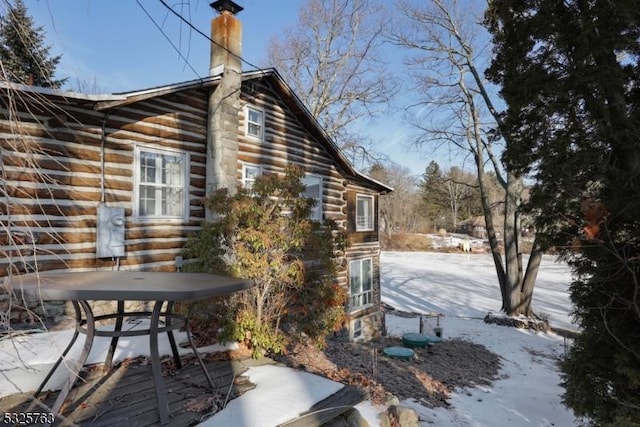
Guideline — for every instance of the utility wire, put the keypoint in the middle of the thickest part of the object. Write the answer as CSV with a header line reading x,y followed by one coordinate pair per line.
x,y
186,61
189,40
259,69
255,67
186,21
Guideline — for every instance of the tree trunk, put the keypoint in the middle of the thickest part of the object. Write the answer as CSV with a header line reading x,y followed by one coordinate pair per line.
x,y
446,46
529,281
259,306
511,249
491,231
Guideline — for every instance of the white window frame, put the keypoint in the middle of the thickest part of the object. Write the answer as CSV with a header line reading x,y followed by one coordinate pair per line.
x,y
248,122
360,297
357,329
184,186
316,211
365,225
245,168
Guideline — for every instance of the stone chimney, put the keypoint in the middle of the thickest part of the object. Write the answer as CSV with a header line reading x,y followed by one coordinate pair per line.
x,y
224,99
226,33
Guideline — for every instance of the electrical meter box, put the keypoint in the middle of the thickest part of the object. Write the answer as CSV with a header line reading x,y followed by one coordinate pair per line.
x,y
110,232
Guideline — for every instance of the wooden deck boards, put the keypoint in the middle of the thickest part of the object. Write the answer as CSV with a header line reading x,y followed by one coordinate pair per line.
x,y
126,395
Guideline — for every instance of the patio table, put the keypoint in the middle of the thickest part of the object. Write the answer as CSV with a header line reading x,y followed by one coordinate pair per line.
x,y
121,286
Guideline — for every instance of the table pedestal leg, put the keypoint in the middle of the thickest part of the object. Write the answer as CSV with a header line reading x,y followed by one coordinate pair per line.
x,y
74,366
195,350
108,363
76,307
156,368
172,340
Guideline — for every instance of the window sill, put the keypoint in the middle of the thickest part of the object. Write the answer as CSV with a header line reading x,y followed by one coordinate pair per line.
x,y
254,138
357,310
143,220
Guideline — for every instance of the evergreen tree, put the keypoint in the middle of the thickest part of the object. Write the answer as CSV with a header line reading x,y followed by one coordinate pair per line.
x,y
25,59
570,76
449,196
434,198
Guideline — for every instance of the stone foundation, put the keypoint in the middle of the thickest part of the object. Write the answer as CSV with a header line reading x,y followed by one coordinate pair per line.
x,y
351,418
25,311
399,416
371,327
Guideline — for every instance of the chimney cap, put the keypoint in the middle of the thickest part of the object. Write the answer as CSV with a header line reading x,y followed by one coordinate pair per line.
x,y
226,6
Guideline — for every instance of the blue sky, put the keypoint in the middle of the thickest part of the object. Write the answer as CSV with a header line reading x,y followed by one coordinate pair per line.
x,y
117,45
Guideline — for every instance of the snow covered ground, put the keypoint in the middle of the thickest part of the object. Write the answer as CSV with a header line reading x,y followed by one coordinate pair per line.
x,y
465,285
461,287
453,240
464,288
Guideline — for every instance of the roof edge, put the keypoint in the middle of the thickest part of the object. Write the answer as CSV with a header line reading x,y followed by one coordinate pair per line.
x,y
336,151
114,100
61,93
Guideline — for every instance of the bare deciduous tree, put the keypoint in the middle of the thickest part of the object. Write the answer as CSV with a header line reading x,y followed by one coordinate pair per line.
x,y
399,210
448,54
22,152
332,60
88,85
458,187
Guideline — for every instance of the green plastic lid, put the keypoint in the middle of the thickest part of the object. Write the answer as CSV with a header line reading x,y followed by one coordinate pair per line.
x,y
398,352
414,339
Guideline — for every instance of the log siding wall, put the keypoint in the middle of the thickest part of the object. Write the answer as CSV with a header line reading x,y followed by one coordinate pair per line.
x,y
285,141
51,178
52,181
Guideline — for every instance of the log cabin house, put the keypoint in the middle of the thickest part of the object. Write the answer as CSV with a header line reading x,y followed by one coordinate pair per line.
x,y
116,181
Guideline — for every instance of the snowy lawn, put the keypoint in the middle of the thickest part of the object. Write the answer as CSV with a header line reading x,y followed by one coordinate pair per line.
x,y
465,285
462,287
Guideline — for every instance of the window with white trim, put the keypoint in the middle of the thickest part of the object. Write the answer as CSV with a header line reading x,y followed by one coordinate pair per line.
x,y
364,213
313,190
356,331
249,174
360,283
160,189
255,122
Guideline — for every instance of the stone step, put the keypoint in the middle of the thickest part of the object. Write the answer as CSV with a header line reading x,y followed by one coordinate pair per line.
x,y
332,407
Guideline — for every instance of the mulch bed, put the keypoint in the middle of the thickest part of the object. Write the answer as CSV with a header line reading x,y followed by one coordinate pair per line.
x,y
430,377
